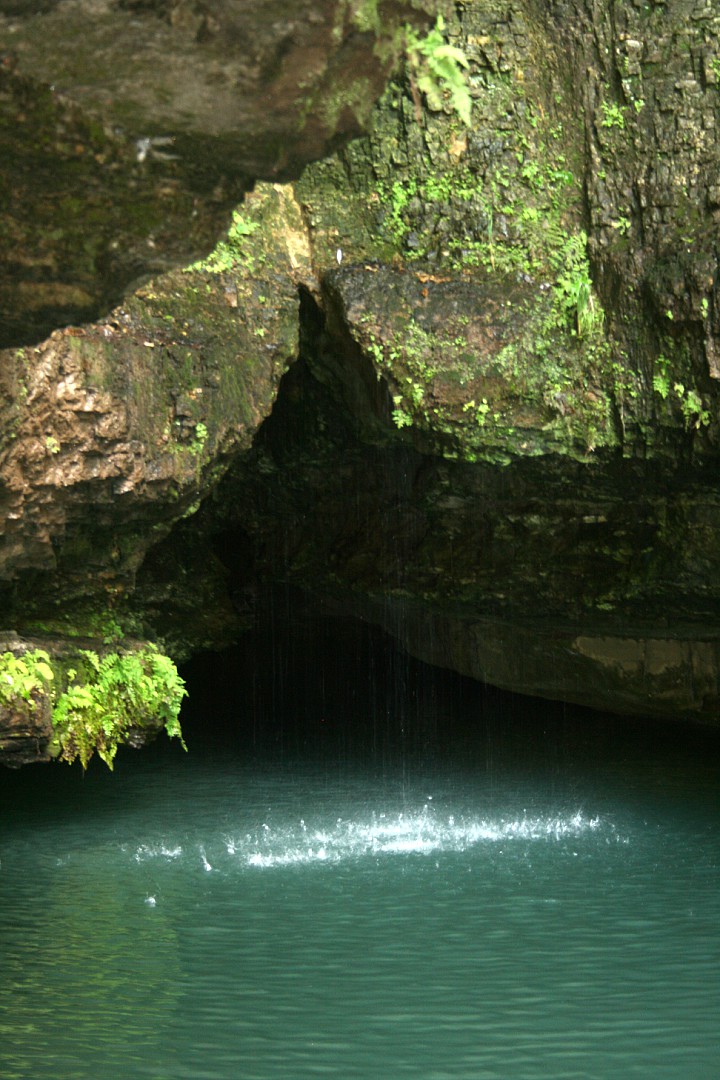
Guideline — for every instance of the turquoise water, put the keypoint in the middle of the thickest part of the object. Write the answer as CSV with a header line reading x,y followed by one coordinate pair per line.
x,y
535,896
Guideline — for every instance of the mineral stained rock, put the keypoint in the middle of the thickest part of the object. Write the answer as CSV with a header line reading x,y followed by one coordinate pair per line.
x,y
113,431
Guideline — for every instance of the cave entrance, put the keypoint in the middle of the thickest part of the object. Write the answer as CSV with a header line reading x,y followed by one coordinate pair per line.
x,y
310,684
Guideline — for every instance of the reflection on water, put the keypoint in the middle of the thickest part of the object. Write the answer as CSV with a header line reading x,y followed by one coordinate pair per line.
x,y
486,907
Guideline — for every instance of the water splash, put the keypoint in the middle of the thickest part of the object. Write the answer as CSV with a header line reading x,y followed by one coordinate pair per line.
x,y
401,834
381,835
157,851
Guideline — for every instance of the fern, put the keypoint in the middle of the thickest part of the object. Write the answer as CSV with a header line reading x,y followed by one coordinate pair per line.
x,y
121,692
436,70
573,291
24,677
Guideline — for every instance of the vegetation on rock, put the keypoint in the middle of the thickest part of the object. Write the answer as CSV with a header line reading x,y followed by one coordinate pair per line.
x,y
517,266
111,696
24,677
436,69
228,252
105,700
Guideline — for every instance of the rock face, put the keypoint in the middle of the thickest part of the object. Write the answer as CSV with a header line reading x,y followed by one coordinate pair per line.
x,y
129,129
548,576
113,431
460,382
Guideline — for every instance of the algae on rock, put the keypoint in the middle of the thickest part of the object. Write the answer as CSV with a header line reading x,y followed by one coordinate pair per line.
x,y
496,210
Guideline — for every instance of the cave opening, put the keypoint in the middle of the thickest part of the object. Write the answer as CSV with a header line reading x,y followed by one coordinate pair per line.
x,y
310,683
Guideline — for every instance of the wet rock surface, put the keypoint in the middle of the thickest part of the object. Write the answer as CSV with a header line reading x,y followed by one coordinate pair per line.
x,y
550,577
115,431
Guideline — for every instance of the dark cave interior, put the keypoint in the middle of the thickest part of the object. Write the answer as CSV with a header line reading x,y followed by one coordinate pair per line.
x,y
308,685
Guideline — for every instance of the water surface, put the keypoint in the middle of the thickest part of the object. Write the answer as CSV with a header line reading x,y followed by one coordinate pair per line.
x,y
534,897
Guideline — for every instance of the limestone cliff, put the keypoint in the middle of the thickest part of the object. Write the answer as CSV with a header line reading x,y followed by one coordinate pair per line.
x,y
459,381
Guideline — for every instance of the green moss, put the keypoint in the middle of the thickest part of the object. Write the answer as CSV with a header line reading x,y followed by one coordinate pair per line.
x,y
367,16
231,252
514,217
111,625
